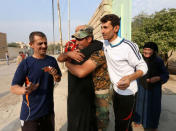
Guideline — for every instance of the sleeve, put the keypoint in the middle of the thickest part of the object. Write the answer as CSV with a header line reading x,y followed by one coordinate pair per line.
x,y
20,74
98,57
136,60
164,72
70,45
66,47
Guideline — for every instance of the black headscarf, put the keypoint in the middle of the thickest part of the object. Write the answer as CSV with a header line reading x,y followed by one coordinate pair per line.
x,y
152,46
151,63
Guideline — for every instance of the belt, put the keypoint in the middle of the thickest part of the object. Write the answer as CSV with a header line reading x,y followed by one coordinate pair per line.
x,y
105,91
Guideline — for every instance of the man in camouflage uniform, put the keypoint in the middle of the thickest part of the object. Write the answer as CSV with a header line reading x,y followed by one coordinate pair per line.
x,y
96,65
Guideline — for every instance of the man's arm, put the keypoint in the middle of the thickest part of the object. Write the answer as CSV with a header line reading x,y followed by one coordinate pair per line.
x,y
21,90
55,74
124,82
57,78
75,55
136,61
18,90
62,57
96,59
141,69
82,70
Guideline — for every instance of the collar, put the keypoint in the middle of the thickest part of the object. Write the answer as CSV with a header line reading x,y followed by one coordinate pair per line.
x,y
116,42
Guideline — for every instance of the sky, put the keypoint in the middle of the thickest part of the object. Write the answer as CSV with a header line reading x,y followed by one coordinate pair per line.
x,y
18,18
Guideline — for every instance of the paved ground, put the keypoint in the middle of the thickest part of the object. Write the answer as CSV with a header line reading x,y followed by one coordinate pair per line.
x,y
10,104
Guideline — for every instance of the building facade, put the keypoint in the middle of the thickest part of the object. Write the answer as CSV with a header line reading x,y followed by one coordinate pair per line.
x,y
122,8
3,45
104,8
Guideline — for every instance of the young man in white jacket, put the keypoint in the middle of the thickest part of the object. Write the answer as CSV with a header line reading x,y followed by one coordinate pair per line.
x,y
125,65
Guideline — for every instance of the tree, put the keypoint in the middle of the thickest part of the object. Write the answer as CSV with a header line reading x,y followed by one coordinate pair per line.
x,y
52,48
160,28
13,44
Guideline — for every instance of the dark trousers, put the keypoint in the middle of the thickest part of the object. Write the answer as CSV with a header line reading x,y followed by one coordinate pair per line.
x,y
123,110
45,123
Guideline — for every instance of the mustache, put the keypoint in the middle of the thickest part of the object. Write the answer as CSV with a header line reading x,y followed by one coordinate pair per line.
x,y
44,48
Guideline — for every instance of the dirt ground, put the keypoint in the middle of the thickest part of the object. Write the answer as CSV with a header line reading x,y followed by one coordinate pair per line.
x,y
10,104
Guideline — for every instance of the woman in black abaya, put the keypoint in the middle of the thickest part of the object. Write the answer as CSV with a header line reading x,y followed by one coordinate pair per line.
x,y
148,105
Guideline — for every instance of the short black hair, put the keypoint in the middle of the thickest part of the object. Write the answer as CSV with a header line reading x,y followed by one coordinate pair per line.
x,y
36,33
115,20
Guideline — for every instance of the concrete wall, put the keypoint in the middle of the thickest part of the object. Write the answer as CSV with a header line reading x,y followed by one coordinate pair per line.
x,y
14,52
104,8
122,8
3,45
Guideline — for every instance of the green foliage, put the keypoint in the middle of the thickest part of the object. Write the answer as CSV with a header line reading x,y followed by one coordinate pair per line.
x,y
13,44
159,27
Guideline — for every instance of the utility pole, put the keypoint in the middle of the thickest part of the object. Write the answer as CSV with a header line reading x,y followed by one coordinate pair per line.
x,y
60,29
53,24
69,20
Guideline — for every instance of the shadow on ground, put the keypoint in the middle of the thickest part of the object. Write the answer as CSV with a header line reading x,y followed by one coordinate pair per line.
x,y
63,128
167,91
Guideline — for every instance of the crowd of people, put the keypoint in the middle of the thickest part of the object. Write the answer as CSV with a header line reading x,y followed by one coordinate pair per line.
x,y
97,71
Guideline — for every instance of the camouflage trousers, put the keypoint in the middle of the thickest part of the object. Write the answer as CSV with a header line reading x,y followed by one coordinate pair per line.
x,y
102,109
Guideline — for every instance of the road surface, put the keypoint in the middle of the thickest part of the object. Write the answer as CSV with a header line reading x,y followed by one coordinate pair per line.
x,y
10,104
